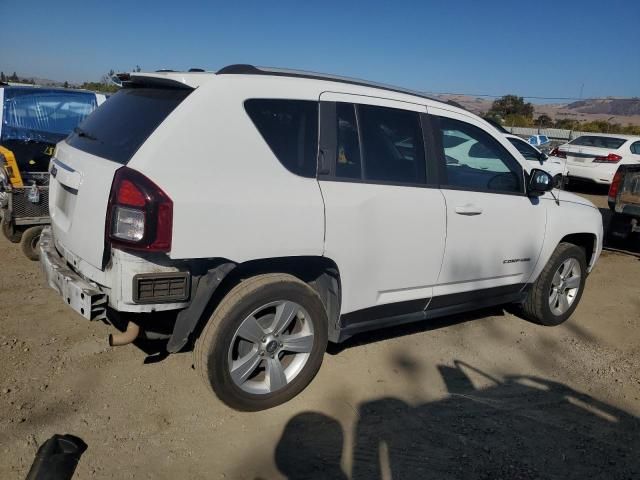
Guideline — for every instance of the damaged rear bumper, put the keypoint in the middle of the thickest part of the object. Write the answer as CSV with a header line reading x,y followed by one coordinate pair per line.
x,y
82,296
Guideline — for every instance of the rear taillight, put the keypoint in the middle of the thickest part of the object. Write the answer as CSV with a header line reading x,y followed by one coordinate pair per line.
x,y
140,214
556,152
611,158
615,186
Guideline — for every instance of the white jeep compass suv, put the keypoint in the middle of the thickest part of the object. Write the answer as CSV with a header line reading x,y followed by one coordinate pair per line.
x,y
272,211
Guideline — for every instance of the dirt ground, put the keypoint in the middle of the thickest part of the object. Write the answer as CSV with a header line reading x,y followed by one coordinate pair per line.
x,y
484,395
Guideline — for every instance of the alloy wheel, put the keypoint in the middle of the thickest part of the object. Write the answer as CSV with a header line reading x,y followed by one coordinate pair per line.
x,y
270,347
565,286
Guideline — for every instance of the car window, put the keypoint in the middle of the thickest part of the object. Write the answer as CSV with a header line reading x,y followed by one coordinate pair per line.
x,y
392,145
525,149
348,161
290,128
597,141
635,148
479,162
119,127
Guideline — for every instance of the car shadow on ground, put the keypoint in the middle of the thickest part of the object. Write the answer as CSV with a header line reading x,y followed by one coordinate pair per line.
x,y
520,427
629,246
586,188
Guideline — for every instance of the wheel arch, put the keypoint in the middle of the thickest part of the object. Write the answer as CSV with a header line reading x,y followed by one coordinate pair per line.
x,y
320,273
585,240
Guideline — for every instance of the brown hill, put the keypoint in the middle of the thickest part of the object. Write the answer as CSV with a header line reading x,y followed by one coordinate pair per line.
x,y
623,110
608,106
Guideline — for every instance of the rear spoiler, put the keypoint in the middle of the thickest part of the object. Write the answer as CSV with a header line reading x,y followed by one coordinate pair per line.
x,y
131,80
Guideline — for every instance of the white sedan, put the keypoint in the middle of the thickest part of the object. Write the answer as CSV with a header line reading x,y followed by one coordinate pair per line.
x,y
552,165
596,157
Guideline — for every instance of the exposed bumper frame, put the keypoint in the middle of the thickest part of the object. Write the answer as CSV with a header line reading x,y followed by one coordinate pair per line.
x,y
83,297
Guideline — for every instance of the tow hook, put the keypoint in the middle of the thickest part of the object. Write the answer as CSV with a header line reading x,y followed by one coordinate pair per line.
x,y
126,337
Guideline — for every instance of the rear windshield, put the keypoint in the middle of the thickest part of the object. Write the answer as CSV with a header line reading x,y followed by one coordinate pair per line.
x,y
122,123
33,114
596,141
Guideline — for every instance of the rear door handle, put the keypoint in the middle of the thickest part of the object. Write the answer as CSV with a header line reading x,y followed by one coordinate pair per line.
x,y
468,210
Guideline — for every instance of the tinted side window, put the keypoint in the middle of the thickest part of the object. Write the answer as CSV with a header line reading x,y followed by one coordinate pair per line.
x,y
635,148
392,145
290,128
348,161
123,123
525,149
476,161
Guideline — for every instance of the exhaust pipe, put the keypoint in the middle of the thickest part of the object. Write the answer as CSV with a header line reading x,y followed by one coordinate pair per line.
x,y
126,337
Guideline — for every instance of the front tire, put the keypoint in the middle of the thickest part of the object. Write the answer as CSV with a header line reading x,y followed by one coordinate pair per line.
x,y
557,291
30,242
264,342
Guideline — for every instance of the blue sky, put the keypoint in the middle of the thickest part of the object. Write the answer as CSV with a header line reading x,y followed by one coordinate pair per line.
x,y
541,48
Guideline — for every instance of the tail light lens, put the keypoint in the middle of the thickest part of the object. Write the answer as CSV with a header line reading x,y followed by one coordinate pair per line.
x,y
556,152
140,214
615,186
611,158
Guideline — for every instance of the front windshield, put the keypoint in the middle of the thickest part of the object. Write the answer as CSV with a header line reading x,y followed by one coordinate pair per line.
x,y
39,114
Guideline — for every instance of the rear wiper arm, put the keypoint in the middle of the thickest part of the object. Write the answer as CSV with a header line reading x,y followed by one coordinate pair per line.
x,y
82,133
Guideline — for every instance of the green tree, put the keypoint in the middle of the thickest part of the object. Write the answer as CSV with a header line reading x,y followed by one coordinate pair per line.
x,y
101,87
544,121
510,105
630,129
518,120
66,84
565,123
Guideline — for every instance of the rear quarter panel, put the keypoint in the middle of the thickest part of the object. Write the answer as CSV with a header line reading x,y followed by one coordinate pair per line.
x,y
231,196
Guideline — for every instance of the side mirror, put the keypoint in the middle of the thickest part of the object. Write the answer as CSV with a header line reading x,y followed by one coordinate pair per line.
x,y
539,182
543,156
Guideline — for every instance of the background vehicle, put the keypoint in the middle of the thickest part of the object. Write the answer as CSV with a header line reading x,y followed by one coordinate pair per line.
x,y
316,207
539,140
554,166
596,157
624,202
34,119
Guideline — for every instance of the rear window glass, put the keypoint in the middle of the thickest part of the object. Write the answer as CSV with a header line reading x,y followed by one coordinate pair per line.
x,y
597,141
123,123
290,128
30,113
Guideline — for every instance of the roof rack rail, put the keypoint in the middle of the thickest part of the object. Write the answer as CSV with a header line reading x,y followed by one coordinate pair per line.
x,y
246,69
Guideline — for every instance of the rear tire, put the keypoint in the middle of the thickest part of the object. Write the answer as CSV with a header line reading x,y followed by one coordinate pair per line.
x,y
276,374
552,299
30,242
10,232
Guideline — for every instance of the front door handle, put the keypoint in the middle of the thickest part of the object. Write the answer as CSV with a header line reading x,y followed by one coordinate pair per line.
x,y
468,210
